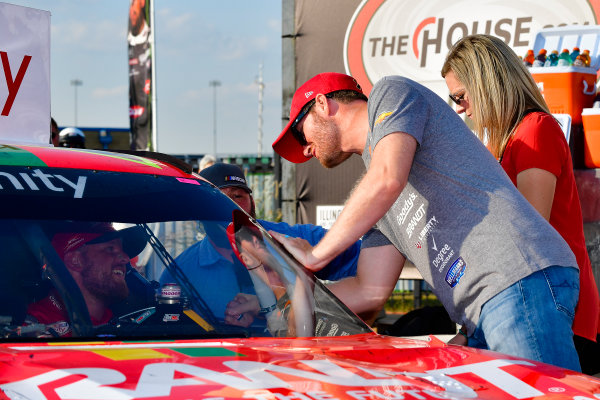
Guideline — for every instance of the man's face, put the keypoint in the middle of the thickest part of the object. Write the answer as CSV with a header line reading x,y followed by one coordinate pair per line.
x,y
135,15
323,139
103,270
249,251
258,259
55,135
240,196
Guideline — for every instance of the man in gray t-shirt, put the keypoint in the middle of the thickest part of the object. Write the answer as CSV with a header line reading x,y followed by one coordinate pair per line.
x,y
445,204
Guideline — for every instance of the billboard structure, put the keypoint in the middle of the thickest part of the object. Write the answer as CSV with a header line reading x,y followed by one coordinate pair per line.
x,y
25,76
369,39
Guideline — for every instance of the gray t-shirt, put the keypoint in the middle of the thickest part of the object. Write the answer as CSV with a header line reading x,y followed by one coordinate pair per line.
x,y
459,219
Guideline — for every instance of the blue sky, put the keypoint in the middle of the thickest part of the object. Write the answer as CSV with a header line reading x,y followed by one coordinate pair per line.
x,y
196,41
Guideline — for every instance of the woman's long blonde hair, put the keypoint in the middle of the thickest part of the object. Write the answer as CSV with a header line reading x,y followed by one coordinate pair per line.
x,y
499,87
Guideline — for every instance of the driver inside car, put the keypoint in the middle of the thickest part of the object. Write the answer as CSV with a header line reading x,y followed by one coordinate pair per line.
x,y
275,303
96,255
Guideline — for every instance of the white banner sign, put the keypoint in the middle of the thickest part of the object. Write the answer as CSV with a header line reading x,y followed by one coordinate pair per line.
x,y
326,215
403,37
25,75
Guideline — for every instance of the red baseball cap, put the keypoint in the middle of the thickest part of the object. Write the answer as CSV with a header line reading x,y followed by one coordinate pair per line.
x,y
133,238
286,145
240,220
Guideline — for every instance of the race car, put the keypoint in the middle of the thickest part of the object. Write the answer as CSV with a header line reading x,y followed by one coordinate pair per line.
x,y
127,276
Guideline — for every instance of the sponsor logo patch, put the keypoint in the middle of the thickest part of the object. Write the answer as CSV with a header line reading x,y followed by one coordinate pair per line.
x,y
61,327
235,178
144,316
136,111
170,317
407,206
381,117
455,272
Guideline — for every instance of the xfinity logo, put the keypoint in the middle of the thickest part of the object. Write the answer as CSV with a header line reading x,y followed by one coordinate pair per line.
x,y
38,180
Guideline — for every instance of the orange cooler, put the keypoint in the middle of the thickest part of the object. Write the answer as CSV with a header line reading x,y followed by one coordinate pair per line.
x,y
567,90
591,137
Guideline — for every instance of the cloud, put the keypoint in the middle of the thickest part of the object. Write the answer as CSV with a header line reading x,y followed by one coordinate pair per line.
x,y
274,24
193,94
273,89
187,33
116,91
174,23
98,36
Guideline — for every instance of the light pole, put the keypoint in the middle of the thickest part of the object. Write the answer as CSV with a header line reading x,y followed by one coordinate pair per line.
x,y
261,89
214,85
75,83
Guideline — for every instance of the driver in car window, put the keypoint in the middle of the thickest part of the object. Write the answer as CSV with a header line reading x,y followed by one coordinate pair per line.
x,y
284,303
248,245
96,255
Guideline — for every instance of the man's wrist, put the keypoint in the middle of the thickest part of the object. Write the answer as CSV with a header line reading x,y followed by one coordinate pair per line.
x,y
319,257
266,310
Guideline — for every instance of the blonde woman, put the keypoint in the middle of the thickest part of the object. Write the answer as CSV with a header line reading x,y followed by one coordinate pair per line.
x,y
490,84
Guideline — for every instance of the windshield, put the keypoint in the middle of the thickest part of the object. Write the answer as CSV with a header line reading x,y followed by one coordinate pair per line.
x,y
150,257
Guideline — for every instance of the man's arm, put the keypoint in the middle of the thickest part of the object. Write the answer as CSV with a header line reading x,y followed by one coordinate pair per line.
x,y
376,276
343,265
371,199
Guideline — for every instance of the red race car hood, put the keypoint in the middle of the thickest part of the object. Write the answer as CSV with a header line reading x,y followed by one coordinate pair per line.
x,y
356,367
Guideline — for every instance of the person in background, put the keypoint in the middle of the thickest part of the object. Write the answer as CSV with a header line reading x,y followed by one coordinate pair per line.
x,y
72,137
367,298
211,260
96,255
206,161
54,133
248,245
213,255
445,203
491,86
230,179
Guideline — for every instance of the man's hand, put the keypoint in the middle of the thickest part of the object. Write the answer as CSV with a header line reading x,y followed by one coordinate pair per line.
x,y
301,250
241,310
460,338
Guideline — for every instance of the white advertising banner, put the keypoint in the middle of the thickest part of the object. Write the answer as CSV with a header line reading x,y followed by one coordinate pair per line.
x,y
401,37
25,75
326,215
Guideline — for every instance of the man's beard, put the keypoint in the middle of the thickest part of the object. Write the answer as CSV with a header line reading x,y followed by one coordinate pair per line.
x,y
104,288
327,139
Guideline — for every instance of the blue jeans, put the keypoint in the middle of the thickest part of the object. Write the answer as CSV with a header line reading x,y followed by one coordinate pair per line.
x,y
532,319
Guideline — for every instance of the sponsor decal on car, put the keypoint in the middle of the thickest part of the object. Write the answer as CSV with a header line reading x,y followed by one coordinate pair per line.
x,y
305,379
145,315
170,317
38,180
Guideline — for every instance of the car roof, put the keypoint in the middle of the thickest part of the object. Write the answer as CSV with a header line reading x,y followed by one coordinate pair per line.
x,y
122,161
103,185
